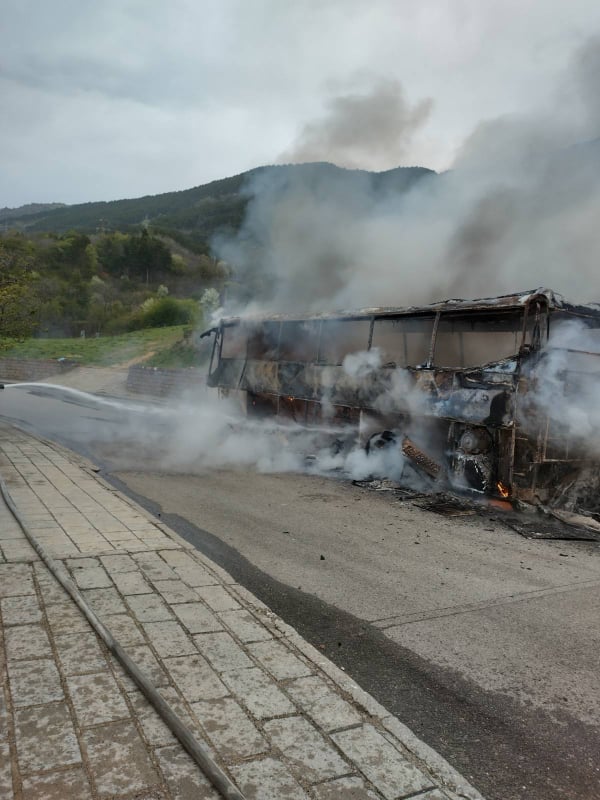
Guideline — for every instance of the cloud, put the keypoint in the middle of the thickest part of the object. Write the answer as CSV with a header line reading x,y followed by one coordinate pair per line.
x,y
230,85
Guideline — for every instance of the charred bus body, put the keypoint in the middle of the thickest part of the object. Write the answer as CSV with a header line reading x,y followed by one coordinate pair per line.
x,y
453,384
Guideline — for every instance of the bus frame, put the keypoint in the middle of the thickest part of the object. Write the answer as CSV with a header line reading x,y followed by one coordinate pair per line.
x,y
452,383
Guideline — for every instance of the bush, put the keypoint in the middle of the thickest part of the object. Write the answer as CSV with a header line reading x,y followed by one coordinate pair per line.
x,y
165,312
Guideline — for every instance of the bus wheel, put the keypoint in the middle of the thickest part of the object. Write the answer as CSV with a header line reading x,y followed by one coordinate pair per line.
x,y
380,440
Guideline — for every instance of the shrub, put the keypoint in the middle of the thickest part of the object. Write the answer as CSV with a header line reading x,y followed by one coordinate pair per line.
x,y
164,312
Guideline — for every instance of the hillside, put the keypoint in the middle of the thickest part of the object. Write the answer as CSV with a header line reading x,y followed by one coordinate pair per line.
x,y
8,214
193,215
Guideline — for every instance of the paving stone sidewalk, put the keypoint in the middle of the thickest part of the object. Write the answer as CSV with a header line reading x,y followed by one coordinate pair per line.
x,y
281,720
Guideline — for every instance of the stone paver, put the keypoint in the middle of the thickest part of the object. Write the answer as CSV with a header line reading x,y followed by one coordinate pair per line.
x,y
229,728
195,678
46,738
79,653
27,641
16,579
196,576
92,578
119,760
66,618
153,566
222,651
347,789
306,749
156,732
383,765
217,597
72,783
20,610
267,779
258,693
124,629
131,582
120,563
143,656
18,550
196,618
33,682
6,783
169,639
245,627
278,660
183,778
282,722
105,601
149,608
175,591
322,703
97,698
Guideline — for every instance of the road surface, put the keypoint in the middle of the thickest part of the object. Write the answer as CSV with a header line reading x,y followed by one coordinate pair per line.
x,y
484,643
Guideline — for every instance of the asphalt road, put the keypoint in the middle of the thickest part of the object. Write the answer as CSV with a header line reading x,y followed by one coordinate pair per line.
x,y
486,644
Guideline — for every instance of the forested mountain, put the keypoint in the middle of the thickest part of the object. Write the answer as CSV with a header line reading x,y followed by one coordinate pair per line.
x,y
27,210
115,266
192,216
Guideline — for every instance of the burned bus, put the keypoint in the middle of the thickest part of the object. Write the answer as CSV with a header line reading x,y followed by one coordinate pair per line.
x,y
454,384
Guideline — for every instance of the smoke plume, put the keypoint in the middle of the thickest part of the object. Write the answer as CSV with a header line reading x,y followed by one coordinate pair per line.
x,y
369,130
518,210
567,387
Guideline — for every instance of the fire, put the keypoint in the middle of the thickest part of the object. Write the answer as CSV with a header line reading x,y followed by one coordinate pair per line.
x,y
503,490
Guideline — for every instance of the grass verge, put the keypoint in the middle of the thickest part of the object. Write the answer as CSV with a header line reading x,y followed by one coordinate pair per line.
x,y
105,351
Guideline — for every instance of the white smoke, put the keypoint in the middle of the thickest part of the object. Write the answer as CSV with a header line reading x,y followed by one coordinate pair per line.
x,y
362,364
369,128
518,210
567,387
196,434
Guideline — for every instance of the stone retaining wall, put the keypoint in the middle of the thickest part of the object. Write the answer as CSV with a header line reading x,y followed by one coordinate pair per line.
x,y
162,382
23,369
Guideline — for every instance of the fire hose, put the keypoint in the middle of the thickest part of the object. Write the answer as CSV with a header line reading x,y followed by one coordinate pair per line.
x,y
196,750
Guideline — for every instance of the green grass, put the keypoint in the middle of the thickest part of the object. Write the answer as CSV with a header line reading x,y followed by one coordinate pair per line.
x,y
178,355
106,351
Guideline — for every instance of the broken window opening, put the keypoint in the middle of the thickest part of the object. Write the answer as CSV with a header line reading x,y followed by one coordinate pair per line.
x,y
339,338
403,341
299,341
263,341
234,341
466,340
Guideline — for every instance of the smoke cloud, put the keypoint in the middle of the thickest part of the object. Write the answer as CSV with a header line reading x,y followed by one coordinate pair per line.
x,y
368,130
567,386
518,210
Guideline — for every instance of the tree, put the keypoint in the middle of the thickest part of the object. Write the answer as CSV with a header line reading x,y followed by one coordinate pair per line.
x,y
18,298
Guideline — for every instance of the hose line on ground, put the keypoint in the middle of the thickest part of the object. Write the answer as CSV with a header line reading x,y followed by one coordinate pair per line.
x,y
197,751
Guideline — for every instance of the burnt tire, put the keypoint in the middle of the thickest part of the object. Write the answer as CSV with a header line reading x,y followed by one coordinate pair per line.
x,y
380,441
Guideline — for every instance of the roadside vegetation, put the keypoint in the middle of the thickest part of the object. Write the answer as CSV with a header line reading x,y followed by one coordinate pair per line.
x,y
71,284
109,351
107,300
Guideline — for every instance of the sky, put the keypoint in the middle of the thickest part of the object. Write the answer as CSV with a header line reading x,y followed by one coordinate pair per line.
x,y
122,98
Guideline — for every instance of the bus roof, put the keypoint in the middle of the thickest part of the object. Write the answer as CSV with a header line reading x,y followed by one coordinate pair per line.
x,y
504,302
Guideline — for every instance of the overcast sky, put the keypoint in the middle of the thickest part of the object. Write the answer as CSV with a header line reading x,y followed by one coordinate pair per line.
x,y
120,98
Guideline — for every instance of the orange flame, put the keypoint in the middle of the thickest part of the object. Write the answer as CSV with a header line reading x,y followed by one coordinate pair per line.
x,y
503,490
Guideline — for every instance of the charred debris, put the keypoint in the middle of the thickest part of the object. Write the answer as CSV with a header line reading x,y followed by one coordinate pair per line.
x,y
490,400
